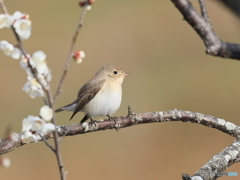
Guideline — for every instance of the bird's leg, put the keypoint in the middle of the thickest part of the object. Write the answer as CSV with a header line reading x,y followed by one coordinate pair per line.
x,y
116,124
94,122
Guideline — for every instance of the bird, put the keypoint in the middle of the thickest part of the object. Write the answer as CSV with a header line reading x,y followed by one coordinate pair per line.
x,y
100,96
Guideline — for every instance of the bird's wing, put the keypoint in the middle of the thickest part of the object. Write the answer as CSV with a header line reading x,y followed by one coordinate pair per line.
x,y
86,93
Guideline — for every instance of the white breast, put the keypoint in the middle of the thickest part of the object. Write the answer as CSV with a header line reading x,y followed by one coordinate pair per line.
x,y
106,101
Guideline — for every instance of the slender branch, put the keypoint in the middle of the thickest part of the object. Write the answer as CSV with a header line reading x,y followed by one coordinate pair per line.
x,y
135,119
63,136
203,9
48,101
57,150
47,144
33,70
3,7
74,40
215,46
22,49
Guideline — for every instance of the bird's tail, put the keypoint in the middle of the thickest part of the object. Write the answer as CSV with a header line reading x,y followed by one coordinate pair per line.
x,y
69,107
59,110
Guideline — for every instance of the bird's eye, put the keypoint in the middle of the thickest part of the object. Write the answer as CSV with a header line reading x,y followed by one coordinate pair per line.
x,y
115,72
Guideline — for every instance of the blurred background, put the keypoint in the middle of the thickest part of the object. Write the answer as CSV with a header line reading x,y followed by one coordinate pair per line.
x,y
169,70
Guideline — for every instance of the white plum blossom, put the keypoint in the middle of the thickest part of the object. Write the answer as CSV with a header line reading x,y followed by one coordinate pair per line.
x,y
27,123
41,78
6,47
78,56
3,44
9,50
24,62
41,127
2,21
39,62
46,113
23,28
16,54
18,15
33,88
48,75
33,126
29,135
5,20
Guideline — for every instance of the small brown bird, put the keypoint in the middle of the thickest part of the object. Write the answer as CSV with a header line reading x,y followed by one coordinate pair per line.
x,y
101,95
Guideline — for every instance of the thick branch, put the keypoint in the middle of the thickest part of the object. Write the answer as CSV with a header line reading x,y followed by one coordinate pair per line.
x,y
215,46
219,163
132,119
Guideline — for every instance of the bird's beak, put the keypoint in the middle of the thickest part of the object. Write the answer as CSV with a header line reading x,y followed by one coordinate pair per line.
x,y
126,74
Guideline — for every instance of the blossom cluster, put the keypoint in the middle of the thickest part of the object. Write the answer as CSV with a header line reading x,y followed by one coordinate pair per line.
x,y
34,126
9,50
37,62
19,21
38,76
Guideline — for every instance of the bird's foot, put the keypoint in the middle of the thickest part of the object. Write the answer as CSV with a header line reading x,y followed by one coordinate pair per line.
x,y
94,123
117,126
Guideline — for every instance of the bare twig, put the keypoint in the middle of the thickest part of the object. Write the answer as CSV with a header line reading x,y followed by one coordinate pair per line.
x,y
215,46
56,141
74,40
3,7
63,136
203,9
47,144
